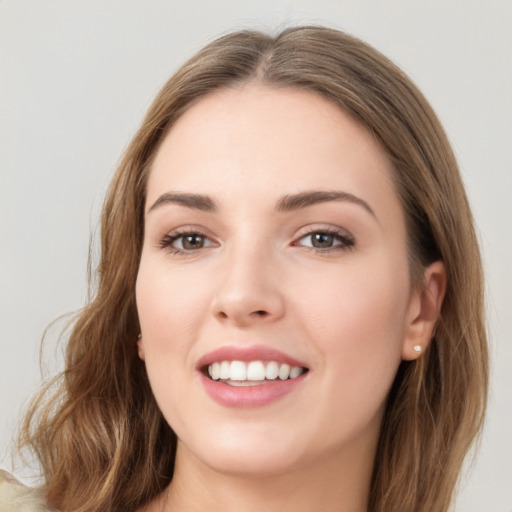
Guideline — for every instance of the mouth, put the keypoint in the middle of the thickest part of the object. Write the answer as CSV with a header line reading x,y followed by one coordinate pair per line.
x,y
250,376
251,373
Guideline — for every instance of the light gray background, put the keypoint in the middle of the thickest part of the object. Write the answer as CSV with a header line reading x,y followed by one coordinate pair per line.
x,y
75,79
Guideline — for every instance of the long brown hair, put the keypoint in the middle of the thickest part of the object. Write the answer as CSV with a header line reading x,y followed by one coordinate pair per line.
x,y
96,429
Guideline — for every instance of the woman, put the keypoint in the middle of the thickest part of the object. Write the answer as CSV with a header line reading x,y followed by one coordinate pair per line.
x,y
289,310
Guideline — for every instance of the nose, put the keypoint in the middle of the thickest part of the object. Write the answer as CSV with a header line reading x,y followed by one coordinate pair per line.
x,y
249,290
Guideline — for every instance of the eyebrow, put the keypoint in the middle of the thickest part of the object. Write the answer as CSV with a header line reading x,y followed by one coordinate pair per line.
x,y
309,198
287,203
194,201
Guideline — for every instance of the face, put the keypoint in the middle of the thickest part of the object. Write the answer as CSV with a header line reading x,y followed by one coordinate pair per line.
x,y
273,292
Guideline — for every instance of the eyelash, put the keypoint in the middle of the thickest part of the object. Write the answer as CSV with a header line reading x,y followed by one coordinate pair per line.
x,y
346,242
169,239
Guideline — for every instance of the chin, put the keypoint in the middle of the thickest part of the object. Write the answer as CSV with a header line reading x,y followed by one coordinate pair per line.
x,y
253,464
246,455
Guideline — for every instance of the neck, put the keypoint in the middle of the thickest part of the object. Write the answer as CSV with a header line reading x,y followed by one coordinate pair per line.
x,y
336,483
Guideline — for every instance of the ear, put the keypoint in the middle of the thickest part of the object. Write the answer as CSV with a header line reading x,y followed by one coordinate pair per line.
x,y
140,347
424,310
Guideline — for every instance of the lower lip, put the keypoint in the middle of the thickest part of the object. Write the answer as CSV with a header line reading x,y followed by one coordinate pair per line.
x,y
249,396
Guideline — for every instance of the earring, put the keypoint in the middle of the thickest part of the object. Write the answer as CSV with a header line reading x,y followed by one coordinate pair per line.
x,y
417,348
139,336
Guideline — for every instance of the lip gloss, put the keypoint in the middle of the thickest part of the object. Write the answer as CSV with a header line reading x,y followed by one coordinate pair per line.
x,y
257,394
249,396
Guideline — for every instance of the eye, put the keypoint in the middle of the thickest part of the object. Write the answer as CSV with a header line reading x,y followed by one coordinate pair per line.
x,y
325,240
186,241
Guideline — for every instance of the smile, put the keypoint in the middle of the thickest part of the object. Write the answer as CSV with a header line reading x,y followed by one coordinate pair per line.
x,y
250,376
252,373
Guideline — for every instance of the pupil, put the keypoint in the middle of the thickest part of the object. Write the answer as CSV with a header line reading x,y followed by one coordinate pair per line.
x,y
192,242
322,240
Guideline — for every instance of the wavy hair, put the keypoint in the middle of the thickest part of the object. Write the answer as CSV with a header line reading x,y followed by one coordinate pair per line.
x,y
101,440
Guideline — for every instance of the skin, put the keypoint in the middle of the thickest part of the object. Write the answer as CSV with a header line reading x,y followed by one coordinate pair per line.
x,y
348,311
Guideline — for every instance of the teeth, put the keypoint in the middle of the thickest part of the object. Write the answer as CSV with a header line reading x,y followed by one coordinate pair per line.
x,y
255,370
272,370
295,372
225,369
239,372
284,371
214,370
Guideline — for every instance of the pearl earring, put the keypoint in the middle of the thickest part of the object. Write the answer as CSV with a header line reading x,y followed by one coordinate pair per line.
x,y
417,348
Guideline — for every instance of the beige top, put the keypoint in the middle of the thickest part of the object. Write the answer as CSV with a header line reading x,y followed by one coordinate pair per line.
x,y
16,497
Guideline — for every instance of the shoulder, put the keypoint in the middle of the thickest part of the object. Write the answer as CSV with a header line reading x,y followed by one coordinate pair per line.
x,y
16,497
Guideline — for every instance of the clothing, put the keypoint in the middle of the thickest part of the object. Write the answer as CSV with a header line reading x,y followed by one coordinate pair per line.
x,y
16,497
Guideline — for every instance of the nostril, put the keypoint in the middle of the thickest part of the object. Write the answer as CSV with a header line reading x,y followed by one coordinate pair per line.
x,y
260,312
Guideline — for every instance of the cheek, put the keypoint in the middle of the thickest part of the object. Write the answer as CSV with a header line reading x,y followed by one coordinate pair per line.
x,y
169,315
168,307
357,320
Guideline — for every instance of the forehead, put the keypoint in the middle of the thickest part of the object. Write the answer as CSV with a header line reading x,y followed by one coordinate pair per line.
x,y
264,141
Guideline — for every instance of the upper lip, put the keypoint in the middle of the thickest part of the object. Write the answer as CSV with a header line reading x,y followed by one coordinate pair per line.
x,y
252,353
